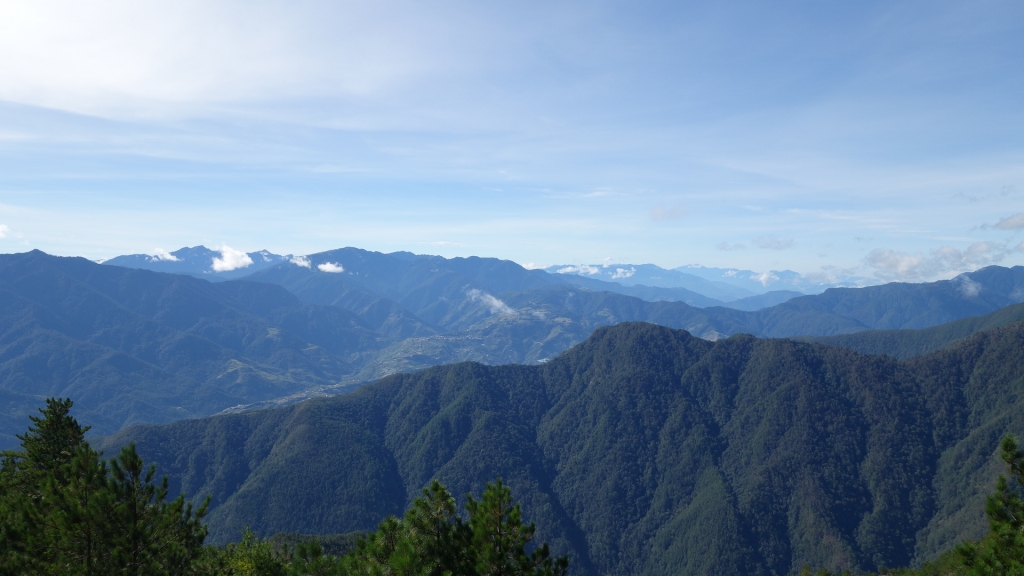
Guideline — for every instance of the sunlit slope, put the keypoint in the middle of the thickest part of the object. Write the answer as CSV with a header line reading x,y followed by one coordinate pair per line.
x,y
641,451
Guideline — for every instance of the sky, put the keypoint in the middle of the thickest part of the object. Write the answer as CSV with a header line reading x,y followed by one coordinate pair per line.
x,y
878,139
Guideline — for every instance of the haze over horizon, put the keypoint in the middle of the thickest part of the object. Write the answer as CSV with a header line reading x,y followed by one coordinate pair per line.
x,y
878,139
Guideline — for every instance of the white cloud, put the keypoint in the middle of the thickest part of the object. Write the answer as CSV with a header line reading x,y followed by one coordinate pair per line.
x,y
115,56
623,273
1015,222
765,278
332,267
230,259
773,243
496,306
532,266
300,261
729,247
4,231
581,269
942,262
165,256
659,213
968,288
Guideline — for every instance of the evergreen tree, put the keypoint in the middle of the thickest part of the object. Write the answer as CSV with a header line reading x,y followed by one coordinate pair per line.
x,y
433,540
65,511
499,537
1002,551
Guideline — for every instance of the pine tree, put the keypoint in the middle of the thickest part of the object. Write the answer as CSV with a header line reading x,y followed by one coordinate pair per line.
x,y
65,511
499,537
1002,551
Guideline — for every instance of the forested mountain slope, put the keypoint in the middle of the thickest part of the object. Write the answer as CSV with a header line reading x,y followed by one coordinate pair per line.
x,y
641,451
909,343
138,346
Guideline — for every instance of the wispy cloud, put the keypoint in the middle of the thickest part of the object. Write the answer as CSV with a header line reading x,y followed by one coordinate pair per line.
x,y
332,267
300,261
659,213
773,243
730,247
5,231
765,278
968,288
495,305
1015,222
894,265
230,259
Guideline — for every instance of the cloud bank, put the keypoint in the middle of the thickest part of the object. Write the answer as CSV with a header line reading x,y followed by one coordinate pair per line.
x,y
892,265
332,267
230,259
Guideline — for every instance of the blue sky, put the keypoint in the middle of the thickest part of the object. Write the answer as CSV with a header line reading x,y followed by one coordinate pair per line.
x,y
876,139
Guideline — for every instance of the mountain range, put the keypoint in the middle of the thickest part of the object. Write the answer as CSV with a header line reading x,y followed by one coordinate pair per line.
x,y
138,346
724,284
643,450
696,285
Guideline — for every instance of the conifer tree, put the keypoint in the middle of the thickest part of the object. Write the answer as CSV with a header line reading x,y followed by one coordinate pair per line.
x,y
65,511
1002,551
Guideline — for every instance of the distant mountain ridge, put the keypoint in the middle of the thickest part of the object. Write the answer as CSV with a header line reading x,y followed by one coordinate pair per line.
x,y
328,322
774,279
224,264
642,450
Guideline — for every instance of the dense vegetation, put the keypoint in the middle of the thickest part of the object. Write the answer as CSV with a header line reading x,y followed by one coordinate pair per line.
x,y
63,510
909,343
643,450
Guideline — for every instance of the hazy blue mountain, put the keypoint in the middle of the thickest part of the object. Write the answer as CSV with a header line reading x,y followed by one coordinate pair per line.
x,y
898,305
313,325
759,282
199,261
139,346
649,293
766,300
909,343
641,451
655,277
